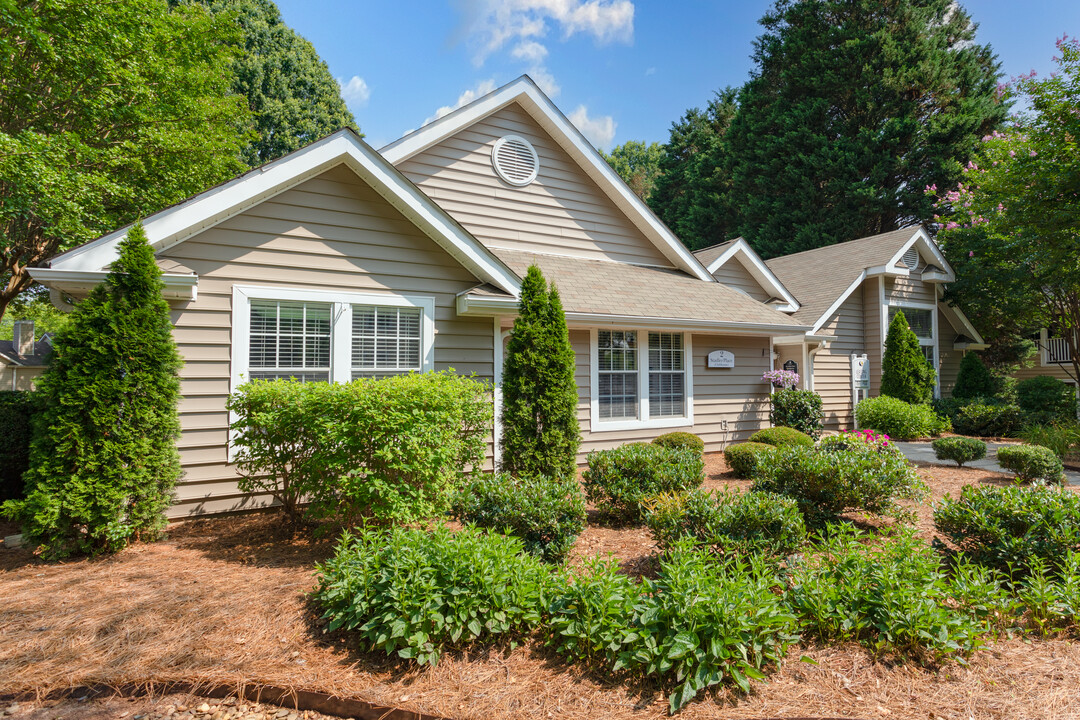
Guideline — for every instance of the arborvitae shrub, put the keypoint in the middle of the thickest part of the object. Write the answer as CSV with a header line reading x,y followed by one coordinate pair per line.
x,y
973,379
103,462
540,434
905,374
16,423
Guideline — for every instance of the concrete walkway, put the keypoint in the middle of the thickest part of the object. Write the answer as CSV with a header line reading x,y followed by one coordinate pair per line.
x,y
923,452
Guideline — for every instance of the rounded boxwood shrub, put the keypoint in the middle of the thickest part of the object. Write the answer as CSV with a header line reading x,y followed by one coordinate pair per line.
x,y
1032,462
618,480
547,514
898,419
688,441
959,449
828,482
781,436
798,409
743,458
728,522
988,419
1011,526
1045,399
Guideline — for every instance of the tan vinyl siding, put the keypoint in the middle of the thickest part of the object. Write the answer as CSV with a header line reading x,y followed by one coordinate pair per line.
x,y
19,378
330,233
562,212
734,274
737,395
948,359
909,290
832,366
875,340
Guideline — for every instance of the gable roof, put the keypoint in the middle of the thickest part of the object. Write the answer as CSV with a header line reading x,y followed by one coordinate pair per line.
x,y
714,257
344,147
823,278
533,101
42,349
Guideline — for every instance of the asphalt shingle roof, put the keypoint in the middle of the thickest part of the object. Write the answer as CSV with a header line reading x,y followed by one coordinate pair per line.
x,y
707,255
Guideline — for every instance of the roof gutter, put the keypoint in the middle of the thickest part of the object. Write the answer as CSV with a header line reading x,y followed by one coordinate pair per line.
x,y
79,282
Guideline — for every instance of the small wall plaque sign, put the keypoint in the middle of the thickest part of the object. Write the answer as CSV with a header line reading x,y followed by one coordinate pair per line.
x,y
791,366
721,359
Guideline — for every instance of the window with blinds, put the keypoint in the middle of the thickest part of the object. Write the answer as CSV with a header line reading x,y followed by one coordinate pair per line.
x,y
289,340
920,320
385,339
667,375
617,374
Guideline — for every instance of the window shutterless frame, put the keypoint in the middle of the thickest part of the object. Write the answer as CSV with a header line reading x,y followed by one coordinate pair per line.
x,y
643,419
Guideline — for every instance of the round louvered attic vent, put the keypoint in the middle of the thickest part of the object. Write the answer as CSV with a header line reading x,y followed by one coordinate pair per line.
x,y
515,160
911,259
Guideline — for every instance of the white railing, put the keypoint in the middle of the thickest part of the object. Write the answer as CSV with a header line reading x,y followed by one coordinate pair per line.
x,y
1057,350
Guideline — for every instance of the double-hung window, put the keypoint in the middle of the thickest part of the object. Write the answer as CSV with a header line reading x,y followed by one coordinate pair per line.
x,y
326,336
641,379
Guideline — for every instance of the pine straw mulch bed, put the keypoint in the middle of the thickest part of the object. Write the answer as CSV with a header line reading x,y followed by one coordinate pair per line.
x,y
222,600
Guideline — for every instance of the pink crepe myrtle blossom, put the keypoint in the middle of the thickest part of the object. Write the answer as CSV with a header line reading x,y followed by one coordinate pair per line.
x,y
971,253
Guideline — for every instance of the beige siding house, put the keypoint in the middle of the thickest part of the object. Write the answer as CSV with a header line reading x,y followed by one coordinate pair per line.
x,y
338,261
23,359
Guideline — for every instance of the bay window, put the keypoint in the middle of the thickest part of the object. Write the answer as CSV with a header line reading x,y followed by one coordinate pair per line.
x,y
640,378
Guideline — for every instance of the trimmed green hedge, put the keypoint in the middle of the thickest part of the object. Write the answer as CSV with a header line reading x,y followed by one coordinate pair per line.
x,y
683,440
959,449
743,458
1032,462
618,480
898,419
781,436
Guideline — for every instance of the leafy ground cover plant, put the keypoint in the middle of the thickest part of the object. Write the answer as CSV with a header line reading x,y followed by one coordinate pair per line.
x,y
781,436
1008,527
700,623
617,481
684,440
892,598
798,409
743,458
727,522
959,449
546,514
898,419
1032,463
848,475
412,593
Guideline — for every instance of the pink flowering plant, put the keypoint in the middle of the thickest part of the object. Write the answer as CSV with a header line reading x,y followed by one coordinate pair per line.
x,y
864,440
781,379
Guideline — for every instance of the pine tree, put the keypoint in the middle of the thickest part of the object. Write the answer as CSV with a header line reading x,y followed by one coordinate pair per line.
x,y
854,108
540,433
905,374
973,379
103,461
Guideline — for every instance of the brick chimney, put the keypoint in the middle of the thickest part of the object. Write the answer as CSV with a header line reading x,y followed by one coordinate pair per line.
x,y
24,337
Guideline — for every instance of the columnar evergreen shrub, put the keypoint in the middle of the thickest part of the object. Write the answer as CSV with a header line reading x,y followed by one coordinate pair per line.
x,y
16,423
103,462
540,434
898,419
959,449
688,441
1031,463
798,409
973,379
393,449
743,458
1045,399
905,374
547,514
619,480
781,436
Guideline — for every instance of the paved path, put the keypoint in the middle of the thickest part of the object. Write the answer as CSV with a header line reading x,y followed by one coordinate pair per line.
x,y
922,452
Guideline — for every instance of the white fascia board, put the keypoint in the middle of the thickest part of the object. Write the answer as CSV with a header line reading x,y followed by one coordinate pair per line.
x,y
756,267
549,117
925,242
177,286
483,305
956,316
174,225
837,303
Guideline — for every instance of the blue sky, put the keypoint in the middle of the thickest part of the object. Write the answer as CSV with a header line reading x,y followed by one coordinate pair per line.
x,y
620,69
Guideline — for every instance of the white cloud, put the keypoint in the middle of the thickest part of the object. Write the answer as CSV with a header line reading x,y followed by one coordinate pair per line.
x,y
600,131
650,71
482,88
545,80
530,50
355,92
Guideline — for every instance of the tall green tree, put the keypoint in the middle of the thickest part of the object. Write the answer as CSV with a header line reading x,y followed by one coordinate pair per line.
x,y
289,89
1011,227
638,165
905,373
693,187
109,111
540,433
853,108
103,460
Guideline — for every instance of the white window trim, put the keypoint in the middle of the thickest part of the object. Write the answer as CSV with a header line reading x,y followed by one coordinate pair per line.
x,y
932,342
643,421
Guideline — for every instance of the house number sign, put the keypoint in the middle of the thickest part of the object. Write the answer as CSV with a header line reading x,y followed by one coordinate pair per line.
x,y
720,359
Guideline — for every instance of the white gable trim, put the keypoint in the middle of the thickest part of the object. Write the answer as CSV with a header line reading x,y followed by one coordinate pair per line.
x,y
741,250
525,92
176,224
927,245
958,319
837,303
